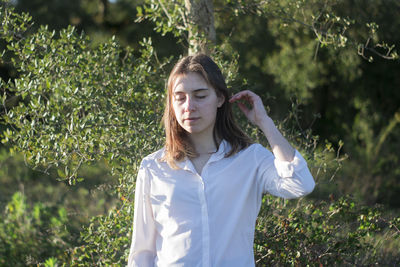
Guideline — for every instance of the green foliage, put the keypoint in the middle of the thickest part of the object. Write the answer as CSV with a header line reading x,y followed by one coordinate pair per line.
x,y
31,234
51,262
67,91
43,195
323,20
168,17
338,232
106,241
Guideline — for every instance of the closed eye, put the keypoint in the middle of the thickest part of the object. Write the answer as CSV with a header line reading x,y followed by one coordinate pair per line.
x,y
179,98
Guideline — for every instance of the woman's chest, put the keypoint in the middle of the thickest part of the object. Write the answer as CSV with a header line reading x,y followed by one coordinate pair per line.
x,y
185,187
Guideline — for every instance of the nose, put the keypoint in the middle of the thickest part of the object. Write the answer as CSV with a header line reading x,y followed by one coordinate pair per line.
x,y
189,104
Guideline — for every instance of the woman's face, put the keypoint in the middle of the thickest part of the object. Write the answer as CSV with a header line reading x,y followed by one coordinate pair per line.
x,y
195,103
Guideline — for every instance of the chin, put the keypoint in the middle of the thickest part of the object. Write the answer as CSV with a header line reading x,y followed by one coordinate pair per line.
x,y
197,128
191,130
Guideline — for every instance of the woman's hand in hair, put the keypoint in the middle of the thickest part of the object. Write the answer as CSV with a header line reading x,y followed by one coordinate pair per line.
x,y
256,113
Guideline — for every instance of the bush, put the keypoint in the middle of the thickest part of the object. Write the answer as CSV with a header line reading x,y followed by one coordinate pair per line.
x,y
29,235
337,232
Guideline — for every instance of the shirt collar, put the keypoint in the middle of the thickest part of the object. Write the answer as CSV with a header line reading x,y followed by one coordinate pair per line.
x,y
223,148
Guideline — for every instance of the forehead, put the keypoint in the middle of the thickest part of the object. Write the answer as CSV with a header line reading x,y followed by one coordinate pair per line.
x,y
190,82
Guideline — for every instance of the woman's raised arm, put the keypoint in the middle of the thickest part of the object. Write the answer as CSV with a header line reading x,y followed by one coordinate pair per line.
x,y
258,115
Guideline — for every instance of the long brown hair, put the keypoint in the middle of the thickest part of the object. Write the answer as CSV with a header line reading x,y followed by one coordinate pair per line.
x,y
177,143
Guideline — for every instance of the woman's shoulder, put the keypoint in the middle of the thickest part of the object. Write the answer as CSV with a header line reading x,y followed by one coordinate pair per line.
x,y
256,147
153,158
258,150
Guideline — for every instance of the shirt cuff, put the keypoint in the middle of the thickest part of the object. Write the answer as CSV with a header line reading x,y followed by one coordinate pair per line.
x,y
286,169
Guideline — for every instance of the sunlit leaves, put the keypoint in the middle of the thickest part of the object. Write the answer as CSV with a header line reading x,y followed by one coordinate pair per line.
x,y
81,104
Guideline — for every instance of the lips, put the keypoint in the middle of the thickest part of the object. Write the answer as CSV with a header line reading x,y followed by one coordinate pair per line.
x,y
191,119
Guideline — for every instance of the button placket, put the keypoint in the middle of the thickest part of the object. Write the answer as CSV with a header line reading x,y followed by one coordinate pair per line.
x,y
204,220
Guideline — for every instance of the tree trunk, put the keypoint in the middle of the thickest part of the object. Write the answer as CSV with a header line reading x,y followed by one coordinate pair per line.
x,y
200,15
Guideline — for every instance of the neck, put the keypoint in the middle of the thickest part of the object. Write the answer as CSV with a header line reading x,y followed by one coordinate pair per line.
x,y
204,144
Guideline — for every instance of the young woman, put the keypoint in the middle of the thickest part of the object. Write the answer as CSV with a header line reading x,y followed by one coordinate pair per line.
x,y
197,199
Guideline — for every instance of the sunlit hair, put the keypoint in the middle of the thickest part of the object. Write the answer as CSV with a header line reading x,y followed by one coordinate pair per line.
x,y
177,142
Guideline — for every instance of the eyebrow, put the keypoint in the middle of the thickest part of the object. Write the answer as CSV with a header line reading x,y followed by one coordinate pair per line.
x,y
194,91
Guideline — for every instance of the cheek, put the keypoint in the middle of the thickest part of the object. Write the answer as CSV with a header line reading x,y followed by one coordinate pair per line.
x,y
176,111
210,107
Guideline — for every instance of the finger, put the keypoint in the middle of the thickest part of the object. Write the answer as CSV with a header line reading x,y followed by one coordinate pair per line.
x,y
247,95
239,94
245,99
243,108
239,97
236,96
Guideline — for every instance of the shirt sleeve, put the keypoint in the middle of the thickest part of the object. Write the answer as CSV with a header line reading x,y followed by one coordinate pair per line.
x,y
143,246
283,178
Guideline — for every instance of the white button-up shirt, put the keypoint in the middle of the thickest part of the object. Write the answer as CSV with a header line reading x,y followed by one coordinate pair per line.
x,y
183,218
